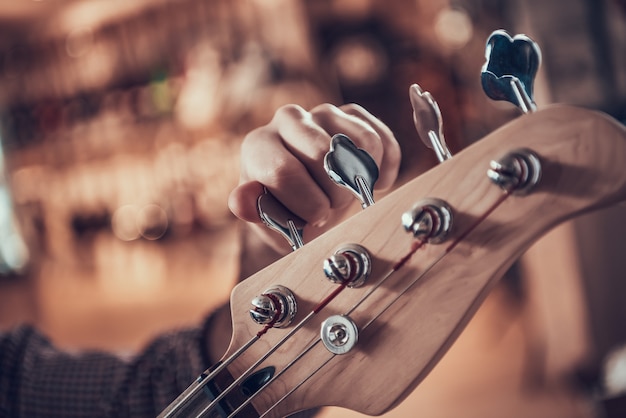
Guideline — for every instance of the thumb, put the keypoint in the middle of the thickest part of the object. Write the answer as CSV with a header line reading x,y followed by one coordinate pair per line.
x,y
242,201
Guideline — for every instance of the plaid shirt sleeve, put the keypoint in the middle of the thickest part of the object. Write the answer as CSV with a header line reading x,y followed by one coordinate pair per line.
x,y
39,380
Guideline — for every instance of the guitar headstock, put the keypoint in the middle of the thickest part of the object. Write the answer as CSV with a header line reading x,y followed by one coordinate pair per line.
x,y
413,306
396,301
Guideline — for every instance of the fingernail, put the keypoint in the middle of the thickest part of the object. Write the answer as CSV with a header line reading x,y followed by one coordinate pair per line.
x,y
321,222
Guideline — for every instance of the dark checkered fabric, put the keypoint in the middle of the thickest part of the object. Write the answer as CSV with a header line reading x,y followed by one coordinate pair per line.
x,y
38,380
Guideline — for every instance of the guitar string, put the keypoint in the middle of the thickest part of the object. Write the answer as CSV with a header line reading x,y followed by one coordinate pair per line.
x,y
414,247
287,336
197,386
448,249
208,375
506,193
249,371
231,387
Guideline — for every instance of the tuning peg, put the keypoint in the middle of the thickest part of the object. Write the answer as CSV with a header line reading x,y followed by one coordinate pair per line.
x,y
351,264
276,306
518,171
510,69
352,168
430,219
280,219
428,121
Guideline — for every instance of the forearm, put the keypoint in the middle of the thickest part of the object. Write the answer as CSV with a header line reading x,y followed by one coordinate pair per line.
x,y
39,380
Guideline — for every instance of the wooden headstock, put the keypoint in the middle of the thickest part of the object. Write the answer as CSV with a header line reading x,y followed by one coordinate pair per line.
x,y
408,322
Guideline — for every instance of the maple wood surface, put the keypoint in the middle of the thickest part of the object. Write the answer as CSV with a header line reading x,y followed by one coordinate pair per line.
x,y
582,154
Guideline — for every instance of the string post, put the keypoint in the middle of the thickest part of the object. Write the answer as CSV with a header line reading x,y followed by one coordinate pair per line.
x,y
276,307
429,220
350,265
516,172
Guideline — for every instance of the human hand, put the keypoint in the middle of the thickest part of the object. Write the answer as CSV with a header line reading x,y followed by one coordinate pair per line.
x,y
286,157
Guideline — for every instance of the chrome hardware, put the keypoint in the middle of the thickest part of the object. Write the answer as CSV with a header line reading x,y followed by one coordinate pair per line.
x,y
430,219
351,264
612,381
277,217
518,171
339,334
276,305
428,121
352,168
510,68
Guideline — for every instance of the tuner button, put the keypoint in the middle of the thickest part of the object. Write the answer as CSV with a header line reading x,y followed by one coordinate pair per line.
x,y
352,168
510,68
517,172
339,334
428,121
276,306
351,264
280,219
430,220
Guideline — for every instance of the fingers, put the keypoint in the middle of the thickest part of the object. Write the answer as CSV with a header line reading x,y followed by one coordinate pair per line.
x,y
242,200
308,140
389,163
286,169
286,157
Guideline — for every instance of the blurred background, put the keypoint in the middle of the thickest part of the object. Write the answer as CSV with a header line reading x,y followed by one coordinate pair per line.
x,y
120,125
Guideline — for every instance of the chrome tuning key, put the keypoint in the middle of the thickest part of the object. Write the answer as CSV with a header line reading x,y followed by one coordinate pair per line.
x,y
518,171
351,265
430,220
276,306
352,168
428,121
280,219
510,69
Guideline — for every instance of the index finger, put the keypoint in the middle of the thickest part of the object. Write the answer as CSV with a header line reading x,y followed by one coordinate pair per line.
x,y
391,157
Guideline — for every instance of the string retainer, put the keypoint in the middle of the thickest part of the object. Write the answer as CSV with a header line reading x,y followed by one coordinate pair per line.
x,y
339,334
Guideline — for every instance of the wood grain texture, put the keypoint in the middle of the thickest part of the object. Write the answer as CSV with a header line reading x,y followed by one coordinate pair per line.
x,y
583,156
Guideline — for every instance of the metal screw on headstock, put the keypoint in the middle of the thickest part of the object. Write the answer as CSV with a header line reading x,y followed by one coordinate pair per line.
x,y
510,69
352,168
428,121
280,219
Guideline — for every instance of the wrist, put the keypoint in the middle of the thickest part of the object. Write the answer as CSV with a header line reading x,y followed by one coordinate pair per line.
x,y
256,252
216,335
